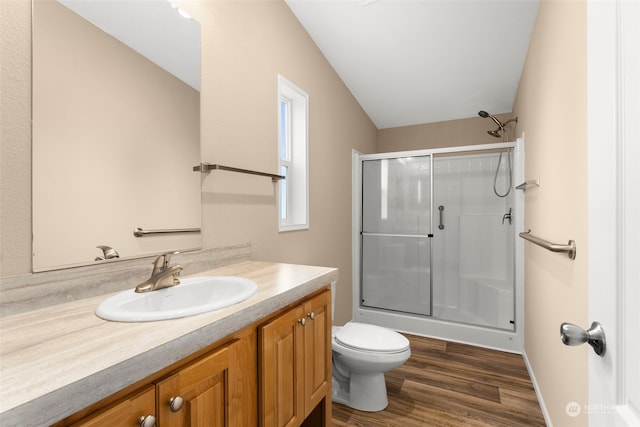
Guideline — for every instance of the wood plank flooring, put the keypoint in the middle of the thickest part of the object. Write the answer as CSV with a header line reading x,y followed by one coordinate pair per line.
x,y
451,384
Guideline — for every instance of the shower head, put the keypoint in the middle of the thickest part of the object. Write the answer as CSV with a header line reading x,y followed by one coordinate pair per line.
x,y
484,115
501,132
495,133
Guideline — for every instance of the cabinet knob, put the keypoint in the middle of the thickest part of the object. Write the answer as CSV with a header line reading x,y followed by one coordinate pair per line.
x,y
302,321
311,315
175,403
148,421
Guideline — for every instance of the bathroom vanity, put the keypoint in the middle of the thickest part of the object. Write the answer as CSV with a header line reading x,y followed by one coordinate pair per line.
x,y
264,361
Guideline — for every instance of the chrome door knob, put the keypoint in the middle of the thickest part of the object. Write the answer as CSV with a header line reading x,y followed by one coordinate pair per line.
x,y
302,321
575,335
311,315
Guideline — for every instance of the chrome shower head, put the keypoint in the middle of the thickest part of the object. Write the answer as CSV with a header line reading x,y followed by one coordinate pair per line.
x,y
484,115
495,133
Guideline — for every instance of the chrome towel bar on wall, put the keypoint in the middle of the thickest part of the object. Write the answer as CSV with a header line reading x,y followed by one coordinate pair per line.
x,y
139,232
569,248
207,167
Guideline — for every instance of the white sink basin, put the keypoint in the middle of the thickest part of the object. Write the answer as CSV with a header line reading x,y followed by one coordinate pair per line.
x,y
192,296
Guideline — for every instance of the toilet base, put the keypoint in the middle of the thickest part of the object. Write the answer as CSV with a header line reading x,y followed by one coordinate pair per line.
x,y
367,392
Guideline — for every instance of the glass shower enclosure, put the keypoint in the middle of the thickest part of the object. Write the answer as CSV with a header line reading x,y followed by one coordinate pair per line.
x,y
396,229
436,241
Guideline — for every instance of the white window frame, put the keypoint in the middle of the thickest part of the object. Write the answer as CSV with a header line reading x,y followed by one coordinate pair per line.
x,y
293,192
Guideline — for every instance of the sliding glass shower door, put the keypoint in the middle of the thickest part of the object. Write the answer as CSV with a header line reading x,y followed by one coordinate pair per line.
x,y
396,234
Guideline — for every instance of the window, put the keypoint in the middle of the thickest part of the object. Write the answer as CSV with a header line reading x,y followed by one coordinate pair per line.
x,y
293,204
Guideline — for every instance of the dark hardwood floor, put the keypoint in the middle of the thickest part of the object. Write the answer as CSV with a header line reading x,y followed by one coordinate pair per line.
x,y
452,384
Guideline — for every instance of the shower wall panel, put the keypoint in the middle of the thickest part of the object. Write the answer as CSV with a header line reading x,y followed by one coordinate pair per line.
x,y
472,260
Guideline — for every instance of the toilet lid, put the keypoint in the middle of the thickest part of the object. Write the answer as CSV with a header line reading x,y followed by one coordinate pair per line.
x,y
371,338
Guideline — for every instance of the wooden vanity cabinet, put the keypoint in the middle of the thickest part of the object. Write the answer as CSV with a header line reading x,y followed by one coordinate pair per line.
x,y
295,365
196,395
276,372
317,341
215,389
281,367
130,411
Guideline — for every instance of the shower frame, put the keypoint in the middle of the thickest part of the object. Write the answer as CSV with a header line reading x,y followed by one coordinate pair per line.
x,y
511,341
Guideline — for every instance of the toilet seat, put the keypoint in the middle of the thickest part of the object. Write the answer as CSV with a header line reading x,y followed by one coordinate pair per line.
x,y
371,338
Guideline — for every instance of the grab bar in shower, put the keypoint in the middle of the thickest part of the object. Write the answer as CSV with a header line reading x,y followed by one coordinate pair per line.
x,y
139,232
569,248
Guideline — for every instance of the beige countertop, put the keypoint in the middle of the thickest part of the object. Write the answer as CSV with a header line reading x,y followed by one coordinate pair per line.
x,y
56,361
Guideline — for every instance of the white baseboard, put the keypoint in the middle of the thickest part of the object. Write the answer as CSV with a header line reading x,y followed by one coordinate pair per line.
x,y
543,407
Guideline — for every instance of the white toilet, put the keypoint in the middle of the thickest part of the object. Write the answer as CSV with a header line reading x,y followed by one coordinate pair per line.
x,y
362,353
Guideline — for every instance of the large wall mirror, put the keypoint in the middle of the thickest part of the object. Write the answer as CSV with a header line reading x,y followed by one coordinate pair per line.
x,y
116,130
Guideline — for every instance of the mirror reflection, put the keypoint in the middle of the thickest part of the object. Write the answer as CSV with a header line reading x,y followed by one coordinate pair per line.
x,y
116,130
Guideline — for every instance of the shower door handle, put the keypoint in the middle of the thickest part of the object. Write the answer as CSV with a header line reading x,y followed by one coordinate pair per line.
x,y
441,226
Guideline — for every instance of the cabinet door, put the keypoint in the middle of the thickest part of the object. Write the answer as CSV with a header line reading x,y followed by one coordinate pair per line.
x,y
317,342
199,392
127,412
282,370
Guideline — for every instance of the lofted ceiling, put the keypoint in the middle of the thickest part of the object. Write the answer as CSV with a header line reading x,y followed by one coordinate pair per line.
x,y
154,28
410,62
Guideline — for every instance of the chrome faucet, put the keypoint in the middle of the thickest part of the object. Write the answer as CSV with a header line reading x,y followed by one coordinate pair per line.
x,y
507,216
107,253
162,276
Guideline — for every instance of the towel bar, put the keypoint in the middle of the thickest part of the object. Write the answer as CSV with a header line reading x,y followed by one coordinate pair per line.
x,y
206,167
139,232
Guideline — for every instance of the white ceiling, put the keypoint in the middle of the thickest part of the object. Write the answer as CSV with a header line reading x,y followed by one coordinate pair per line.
x,y
420,61
153,28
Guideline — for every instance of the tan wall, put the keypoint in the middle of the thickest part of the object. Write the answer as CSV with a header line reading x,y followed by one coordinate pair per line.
x,y
15,137
451,133
123,110
551,105
244,46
